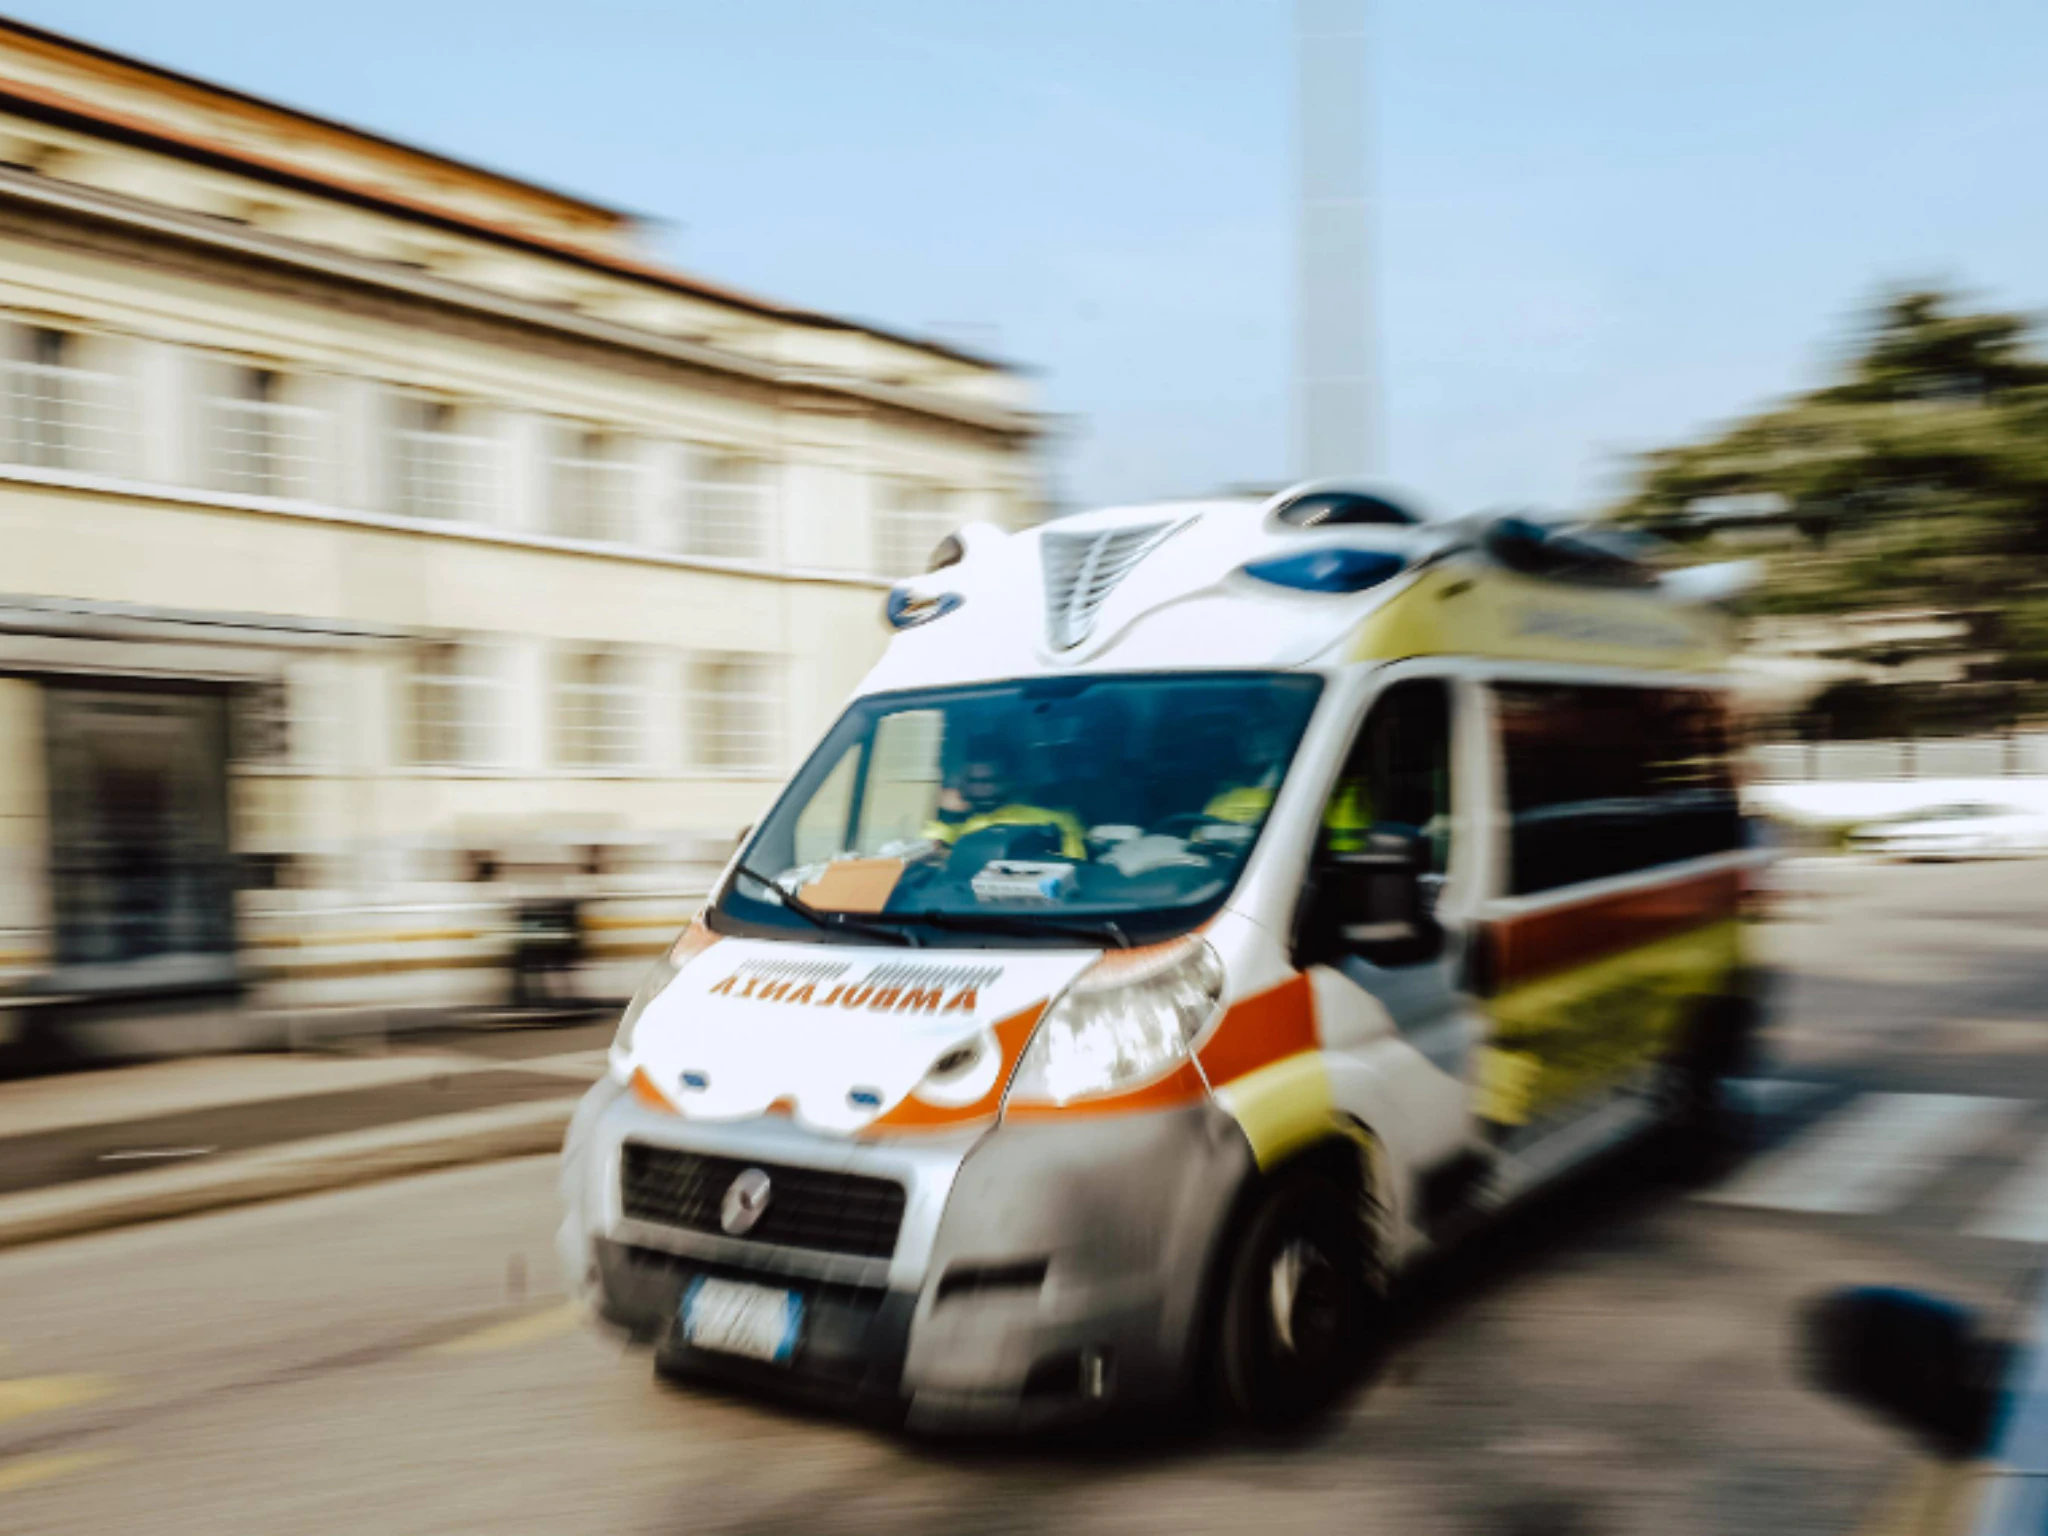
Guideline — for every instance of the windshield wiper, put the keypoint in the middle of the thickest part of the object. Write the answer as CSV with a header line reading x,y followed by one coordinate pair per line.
x,y
831,922
1013,922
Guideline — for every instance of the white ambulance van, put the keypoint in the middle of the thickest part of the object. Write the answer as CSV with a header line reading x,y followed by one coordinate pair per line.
x,y
1201,911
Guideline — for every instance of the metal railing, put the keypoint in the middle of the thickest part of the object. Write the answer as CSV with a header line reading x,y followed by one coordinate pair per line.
x,y
725,514
264,447
60,417
733,705
445,475
598,718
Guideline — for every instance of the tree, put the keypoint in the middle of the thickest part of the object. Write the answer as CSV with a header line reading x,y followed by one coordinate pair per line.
x,y
1916,485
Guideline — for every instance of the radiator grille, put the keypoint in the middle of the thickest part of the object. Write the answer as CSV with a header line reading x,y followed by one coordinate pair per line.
x,y
810,1208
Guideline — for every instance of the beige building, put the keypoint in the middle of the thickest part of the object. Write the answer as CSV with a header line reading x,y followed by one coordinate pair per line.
x,y
374,528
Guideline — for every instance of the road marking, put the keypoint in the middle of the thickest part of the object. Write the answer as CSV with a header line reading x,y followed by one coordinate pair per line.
x,y
46,1394
142,1154
1872,1155
2019,1210
25,1471
530,1329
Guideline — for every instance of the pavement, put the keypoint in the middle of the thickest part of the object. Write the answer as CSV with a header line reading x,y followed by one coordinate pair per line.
x,y
109,1147
1619,1356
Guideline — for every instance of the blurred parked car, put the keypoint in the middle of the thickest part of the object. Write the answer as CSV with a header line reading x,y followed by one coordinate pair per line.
x,y
1977,1402
1969,830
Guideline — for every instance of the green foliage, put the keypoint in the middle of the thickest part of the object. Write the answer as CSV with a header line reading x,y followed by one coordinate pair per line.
x,y
1917,482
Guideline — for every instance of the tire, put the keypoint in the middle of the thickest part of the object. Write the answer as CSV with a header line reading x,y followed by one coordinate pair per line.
x,y
1704,1134
1296,1310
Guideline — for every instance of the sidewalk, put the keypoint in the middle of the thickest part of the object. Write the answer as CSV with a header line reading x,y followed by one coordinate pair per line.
x,y
91,1149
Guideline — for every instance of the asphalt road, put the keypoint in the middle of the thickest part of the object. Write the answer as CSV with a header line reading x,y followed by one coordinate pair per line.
x,y
1619,1358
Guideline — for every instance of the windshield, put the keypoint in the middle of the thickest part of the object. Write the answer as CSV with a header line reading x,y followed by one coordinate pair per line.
x,y
1114,809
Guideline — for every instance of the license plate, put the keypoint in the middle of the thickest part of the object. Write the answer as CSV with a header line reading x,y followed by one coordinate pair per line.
x,y
734,1318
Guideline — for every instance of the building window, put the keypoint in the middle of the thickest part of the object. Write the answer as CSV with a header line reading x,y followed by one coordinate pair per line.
x,y
445,466
724,506
60,415
591,477
910,520
259,442
453,713
597,709
733,703
259,723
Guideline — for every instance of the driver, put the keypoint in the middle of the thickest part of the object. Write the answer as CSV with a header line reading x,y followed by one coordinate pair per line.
x,y
980,796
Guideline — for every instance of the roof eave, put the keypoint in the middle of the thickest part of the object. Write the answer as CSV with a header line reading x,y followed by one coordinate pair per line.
x,y
156,220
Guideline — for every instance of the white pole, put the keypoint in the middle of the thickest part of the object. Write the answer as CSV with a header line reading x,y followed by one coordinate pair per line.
x,y
1334,404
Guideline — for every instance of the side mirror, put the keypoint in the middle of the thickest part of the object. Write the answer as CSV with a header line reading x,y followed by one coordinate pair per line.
x,y
1375,901
1913,1358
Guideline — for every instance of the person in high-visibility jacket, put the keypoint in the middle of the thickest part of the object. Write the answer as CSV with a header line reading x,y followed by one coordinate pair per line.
x,y
1345,818
1348,816
980,798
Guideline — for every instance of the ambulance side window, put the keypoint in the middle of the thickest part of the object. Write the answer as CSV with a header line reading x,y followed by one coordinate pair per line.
x,y
1606,781
1399,771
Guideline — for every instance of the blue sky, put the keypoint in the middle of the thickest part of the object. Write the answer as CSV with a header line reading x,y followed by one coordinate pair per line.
x,y
1601,224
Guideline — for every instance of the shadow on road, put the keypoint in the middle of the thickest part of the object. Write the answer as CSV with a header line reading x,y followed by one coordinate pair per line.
x,y
1599,1204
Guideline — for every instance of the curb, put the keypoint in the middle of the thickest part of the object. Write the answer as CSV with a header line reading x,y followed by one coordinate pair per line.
x,y
295,1168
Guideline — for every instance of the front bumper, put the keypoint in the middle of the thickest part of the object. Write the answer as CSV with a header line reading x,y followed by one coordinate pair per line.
x,y
1043,1271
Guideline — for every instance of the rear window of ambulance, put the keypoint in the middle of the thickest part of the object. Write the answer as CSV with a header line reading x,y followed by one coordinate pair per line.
x,y
1606,781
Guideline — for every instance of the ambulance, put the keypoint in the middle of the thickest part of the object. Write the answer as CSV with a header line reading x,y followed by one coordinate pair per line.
x,y
1200,913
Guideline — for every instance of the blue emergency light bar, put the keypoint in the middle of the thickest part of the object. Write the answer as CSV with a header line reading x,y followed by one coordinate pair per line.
x,y
1328,570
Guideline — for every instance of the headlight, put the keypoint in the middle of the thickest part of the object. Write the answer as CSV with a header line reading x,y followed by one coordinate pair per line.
x,y
694,941
1125,1020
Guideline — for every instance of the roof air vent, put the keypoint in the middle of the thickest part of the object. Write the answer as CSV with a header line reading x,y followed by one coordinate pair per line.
x,y
1081,570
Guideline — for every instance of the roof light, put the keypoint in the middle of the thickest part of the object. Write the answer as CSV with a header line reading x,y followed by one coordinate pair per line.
x,y
1333,508
1328,570
1565,554
907,610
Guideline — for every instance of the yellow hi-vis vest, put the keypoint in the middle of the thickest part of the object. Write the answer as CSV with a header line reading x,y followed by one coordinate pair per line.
x,y
1241,806
1345,819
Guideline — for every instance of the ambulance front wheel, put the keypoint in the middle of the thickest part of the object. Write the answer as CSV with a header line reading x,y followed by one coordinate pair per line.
x,y
1295,1316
